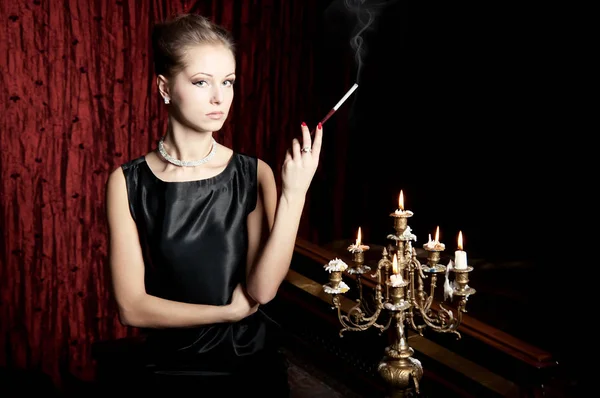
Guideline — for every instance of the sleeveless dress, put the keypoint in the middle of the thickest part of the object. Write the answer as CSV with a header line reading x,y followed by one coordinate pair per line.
x,y
194,241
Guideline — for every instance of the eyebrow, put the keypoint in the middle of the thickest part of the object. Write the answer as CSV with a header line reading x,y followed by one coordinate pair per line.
x,y
208,74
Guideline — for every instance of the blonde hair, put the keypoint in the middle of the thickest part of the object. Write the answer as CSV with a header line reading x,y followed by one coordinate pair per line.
x,y
171,39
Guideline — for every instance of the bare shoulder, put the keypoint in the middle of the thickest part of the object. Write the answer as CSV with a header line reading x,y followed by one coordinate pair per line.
x,y
117,202
116,179
116,190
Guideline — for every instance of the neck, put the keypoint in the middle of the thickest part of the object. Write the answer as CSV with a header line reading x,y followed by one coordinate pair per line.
x,y
185,144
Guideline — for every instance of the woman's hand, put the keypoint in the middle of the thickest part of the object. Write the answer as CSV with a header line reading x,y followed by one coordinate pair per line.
x,y
301,163
242,305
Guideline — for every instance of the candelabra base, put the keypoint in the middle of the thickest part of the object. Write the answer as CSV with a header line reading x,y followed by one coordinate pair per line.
x,y
401,374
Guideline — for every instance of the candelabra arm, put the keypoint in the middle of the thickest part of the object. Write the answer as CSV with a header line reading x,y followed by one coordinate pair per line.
x,y
410,319
444,321
416,268
360,288
417,265
355,320
432,286
387,325
355,326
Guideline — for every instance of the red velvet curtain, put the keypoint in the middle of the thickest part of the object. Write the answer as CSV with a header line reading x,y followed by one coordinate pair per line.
x,y
80,99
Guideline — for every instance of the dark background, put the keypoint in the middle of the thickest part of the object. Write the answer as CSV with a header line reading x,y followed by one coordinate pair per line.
x,y
460,107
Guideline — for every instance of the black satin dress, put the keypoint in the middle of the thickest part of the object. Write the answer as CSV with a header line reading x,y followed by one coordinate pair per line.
x,y
194,240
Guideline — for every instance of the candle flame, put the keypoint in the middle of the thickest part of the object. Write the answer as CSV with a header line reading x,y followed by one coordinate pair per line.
x,y
460,240
401,200
437,234
395,264
358,239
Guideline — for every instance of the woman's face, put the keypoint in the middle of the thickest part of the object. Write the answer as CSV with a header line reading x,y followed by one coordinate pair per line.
x,y
202,92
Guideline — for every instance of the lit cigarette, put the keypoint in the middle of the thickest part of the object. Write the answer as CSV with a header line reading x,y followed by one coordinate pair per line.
x,y
344,98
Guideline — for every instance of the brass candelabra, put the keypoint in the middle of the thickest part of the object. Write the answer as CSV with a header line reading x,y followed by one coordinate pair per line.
x,y
403,296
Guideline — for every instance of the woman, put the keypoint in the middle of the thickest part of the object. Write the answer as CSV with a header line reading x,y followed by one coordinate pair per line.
x,y
199,238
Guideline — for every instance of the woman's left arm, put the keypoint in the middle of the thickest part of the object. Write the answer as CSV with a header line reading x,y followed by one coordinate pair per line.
x,y
273,226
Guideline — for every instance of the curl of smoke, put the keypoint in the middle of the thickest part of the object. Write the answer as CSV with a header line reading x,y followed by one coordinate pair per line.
x,y
365,13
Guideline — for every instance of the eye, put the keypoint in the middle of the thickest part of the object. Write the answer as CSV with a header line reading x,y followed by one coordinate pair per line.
x,y
200,83
229,83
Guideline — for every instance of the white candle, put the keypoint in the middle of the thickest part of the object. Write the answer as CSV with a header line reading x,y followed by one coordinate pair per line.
x,y
460,256
395,278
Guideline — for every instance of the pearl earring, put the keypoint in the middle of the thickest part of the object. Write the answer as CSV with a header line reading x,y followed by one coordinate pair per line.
x,y
167,101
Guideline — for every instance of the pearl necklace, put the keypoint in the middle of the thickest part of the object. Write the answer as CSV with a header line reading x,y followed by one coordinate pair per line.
x,y
184,163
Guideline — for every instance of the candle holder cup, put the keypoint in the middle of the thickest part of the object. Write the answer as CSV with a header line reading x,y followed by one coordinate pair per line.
x,y
358,258
335,277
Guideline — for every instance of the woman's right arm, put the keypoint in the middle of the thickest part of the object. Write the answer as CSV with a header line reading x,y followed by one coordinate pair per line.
x,y
136,307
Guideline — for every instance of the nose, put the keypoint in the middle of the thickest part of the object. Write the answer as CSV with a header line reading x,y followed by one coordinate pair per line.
x,y
217,95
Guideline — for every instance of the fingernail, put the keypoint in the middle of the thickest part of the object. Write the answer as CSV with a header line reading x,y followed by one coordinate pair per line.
x,y
303,124
319,126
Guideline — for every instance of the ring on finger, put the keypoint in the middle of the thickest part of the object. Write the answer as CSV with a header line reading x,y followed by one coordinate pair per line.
x,y
307,149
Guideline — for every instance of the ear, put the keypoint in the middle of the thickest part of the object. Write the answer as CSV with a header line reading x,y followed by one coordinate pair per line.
x,y
163,86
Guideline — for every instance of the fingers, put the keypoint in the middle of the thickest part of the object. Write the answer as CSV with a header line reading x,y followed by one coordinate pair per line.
x,y
296,148
306,139
316,146
308,147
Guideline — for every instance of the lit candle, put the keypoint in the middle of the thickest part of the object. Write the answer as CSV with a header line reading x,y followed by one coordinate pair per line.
x,y
395,278
400,212
435,244
400,209
358,247
401,217
460,256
